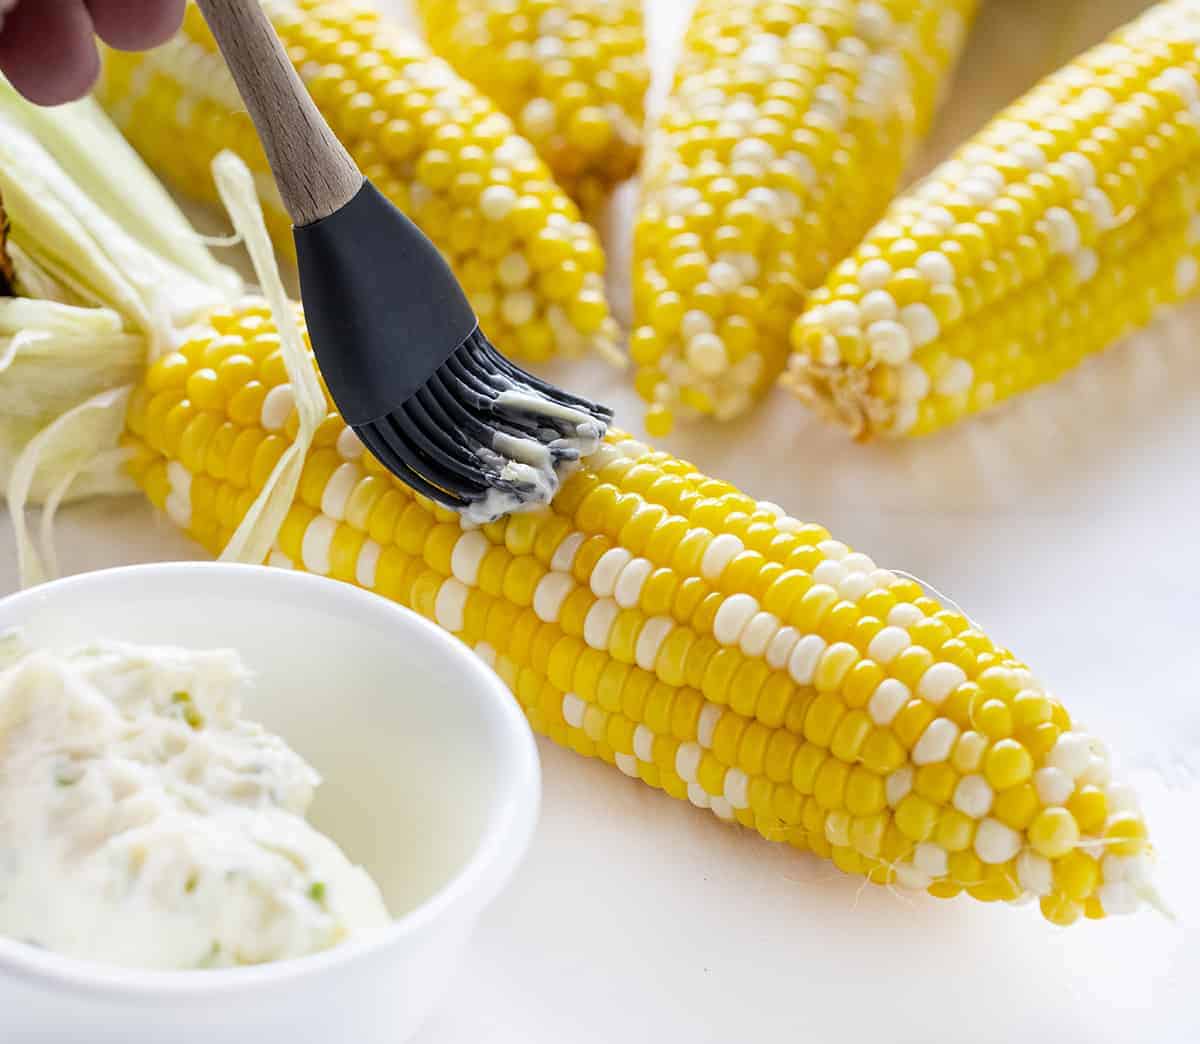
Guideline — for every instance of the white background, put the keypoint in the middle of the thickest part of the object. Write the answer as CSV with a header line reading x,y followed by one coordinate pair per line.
x,y
1067,524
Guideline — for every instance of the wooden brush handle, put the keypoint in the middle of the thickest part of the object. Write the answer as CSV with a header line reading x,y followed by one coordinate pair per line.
x,y
315,174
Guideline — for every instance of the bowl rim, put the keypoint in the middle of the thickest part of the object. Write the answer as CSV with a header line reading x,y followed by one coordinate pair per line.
x,y
476,881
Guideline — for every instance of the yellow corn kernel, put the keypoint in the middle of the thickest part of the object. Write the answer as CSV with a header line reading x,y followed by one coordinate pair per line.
x,y
936,782
994,719
864,794
966,868
1016,806
955,831
835,664
850,735
882,752
1089,806
822,719
912,721
916,817
1076,874
1060,910
1054,832
1006,764
830,785
1125,834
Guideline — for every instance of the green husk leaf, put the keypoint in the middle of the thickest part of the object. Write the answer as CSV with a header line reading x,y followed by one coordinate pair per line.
x,y
256,533
82,139
111,276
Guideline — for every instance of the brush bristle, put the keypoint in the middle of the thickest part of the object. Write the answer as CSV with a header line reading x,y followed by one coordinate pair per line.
x,y
482,429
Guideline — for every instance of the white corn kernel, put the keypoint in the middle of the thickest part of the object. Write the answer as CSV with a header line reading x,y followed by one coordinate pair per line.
x,y
737,788
935,267
931,859
1053,786
687,761
889,342
888,644
935,743
973,796
573,710
627,763
315,546
349,445
1034,872
1070,754
450,605
277,407
604,576
920,322
939,681
877,305
564,554
707,355
758,633
781,646
886,701
367,565
1117,898
710,714
898,784
720,552
465,559
338,489
996,842
653,633
909,877
598,623
734,614
549,595
904,615
628,588
802,664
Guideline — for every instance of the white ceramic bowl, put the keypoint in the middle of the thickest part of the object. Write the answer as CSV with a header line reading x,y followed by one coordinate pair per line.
x,y
431,782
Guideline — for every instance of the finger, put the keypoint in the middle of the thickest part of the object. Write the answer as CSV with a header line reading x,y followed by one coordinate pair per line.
x,y
47,50
133,25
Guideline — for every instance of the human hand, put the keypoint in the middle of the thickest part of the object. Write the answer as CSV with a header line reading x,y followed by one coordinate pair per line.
x,y
48,48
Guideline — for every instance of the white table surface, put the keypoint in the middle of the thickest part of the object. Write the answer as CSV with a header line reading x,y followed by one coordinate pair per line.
x,y
1067,524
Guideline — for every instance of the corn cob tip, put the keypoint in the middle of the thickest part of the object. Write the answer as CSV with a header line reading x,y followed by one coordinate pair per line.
x,y
1066,223
571,74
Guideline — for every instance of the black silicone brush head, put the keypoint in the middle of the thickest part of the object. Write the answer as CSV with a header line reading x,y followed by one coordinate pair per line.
x,y
412,373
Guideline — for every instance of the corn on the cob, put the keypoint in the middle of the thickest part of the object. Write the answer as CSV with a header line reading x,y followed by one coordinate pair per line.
x,y
784,138
572,74
1063,225
430,142
701,641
